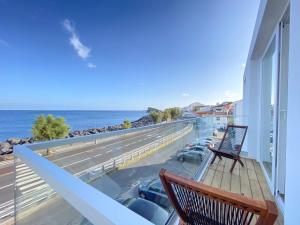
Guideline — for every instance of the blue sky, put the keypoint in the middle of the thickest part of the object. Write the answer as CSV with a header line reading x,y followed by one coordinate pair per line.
x,y
117,54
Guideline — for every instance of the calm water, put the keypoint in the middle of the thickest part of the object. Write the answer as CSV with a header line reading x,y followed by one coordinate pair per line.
x,y
18,123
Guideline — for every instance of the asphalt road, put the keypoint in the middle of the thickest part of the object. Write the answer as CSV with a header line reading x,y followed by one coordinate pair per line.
x,y
78,159
121,183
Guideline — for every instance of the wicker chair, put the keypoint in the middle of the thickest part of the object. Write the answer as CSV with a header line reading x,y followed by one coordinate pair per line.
x,y
199,204
231,144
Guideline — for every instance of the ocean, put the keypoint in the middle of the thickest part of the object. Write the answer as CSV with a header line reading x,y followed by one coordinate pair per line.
x,y
18,123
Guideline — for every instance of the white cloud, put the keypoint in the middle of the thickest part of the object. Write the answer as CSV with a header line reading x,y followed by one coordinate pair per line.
x,y
185,94
91,65
82,51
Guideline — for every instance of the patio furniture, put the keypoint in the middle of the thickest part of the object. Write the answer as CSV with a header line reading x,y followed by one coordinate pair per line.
x,y
200,204
231,144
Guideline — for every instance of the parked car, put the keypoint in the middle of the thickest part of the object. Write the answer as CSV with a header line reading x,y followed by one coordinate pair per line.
x,y
203,142
190,155
153,191
198,148
196,144
147,209
195,148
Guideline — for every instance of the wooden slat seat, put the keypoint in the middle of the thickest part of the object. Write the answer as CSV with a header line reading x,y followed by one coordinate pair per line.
x,y
231,144
199,204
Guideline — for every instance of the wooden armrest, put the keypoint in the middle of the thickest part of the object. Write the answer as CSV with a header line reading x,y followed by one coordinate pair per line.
x,y
216,193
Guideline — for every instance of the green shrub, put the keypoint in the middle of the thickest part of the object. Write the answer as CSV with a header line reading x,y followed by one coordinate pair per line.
x,y
49,127
151,109
167,115
157,116
126,124
175,112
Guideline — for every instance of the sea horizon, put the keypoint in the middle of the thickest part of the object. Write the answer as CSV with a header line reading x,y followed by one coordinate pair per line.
x,y
18,123
74,110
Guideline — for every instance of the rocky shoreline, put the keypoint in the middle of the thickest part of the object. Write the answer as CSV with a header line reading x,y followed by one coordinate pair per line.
x,y
6,147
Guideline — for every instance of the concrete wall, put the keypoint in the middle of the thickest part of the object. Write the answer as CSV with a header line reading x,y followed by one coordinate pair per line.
x,y
292,203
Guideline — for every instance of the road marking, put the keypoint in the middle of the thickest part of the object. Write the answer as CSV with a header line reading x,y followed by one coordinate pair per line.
x,y
97,155
151,131
76,162
26,180
2,175
5,163
24,174
38,182
26,177
26,170
6,186
109,151
71,155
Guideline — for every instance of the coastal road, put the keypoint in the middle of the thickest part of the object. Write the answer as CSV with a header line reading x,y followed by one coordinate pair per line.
x,y
78,159
120,183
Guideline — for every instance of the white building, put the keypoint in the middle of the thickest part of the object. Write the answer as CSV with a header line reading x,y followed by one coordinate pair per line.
x,y
271,101
238,113
220,121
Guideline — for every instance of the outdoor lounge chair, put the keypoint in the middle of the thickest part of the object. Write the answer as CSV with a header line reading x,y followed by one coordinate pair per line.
x,y
231,144
200,204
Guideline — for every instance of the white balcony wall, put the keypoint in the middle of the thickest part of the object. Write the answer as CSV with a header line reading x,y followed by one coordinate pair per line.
x,y
252,89
269,16
292,215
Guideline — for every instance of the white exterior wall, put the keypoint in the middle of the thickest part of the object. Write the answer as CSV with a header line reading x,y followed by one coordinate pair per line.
x,y
251,105
252,97
292,203
238,110
240,119
269,16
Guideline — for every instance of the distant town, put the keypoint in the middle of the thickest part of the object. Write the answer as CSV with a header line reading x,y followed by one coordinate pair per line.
x,y
221,113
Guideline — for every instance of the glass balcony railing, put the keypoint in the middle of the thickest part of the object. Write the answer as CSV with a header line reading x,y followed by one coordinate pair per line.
x,y
110,178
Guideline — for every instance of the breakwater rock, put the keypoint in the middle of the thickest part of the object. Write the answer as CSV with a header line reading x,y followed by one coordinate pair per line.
x,y
6,147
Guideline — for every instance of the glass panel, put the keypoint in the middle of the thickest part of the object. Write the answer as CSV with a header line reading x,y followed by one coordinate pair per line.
x,y
37,203
283,106
124,165
268,108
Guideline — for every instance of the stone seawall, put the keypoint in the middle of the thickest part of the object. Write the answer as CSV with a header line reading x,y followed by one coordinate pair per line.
x,y
6,147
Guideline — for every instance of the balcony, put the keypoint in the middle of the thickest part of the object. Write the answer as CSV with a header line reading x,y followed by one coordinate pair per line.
x,y
248,181
93,179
